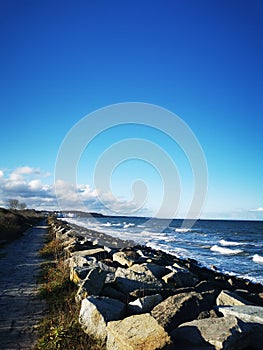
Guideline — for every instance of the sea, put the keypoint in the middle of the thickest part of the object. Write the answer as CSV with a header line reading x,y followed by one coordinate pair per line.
x,y
233,247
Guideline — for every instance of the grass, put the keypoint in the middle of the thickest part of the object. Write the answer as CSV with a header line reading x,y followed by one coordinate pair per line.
x,y
60,328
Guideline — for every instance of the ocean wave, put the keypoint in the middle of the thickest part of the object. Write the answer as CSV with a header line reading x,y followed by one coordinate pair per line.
x,y
258,258
226,251
125,225
183,230
229,243
108,224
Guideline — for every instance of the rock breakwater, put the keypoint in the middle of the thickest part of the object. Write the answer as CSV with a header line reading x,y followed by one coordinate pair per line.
x,y
134,297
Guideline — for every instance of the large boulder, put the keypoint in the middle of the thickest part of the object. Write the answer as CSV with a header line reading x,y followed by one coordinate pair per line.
x,y
92,284
136,277
144,304
218,333
180,308
140,332
227,298
98,253
126,258
246,313
157,270
96,312
78,273
180,278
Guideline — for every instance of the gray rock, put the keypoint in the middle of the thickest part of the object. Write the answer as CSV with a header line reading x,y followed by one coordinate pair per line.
x,y
78,273
145,304
125,259
227,298
218,333
111,292
247,313
139,277
140,332
181,278
98,253
177,309
79,260
93,283
96,312
157,270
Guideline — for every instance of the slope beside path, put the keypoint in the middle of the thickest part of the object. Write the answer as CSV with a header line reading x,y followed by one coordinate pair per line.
x,y
20,308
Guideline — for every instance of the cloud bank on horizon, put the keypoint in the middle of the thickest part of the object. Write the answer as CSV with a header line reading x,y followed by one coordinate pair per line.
x,y
27,184
30,185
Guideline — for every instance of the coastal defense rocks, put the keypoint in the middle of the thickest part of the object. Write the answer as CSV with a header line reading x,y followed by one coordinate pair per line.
x,y
93,283
248,313
136,277
125,258
140,332
96,312
177,309
135,297
145,304
217,333
229,298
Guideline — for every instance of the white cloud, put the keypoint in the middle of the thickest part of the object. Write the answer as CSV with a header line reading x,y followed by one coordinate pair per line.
x,y
1,173
30,186
26,170
260,209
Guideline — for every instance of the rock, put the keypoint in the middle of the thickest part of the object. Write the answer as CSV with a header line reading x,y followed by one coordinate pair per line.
x,y
96,312
204,286
93,283
98,253
254,298
78,260
177,309
111,292
145,304
181,278
207,314
78,273
246,313
128,280
125,258
227,298
218,333
140,332
164,292
157,270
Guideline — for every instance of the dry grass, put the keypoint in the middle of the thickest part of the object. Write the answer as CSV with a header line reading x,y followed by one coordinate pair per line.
x,y
60,328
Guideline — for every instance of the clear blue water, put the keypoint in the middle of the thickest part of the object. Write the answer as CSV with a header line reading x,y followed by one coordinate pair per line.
x,y
234,247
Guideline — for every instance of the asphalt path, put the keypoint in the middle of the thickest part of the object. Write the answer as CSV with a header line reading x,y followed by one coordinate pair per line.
x,y
20,308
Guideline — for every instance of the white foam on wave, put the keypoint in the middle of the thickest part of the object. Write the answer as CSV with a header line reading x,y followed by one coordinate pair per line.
x,y
226,251
182,230
125,225
258,258
108,224
229,243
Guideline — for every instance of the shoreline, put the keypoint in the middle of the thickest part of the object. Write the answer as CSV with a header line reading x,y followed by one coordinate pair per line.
x,y
125,290
112,241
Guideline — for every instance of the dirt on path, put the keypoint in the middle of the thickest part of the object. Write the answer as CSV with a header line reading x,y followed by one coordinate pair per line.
x,y
20,308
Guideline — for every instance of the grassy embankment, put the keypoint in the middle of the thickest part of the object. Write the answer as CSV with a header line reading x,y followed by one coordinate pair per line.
x,y
14,222
60,328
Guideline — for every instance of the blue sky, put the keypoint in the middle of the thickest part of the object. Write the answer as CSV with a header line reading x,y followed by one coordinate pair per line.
x,y
200,59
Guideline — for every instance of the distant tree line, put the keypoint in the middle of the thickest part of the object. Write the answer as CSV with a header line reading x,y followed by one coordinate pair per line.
x,y
15,204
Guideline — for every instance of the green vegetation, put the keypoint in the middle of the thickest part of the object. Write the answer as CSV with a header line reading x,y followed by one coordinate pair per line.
x,y
60,328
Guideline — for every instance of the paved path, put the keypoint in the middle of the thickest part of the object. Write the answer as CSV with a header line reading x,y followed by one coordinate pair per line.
x,y
20,309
